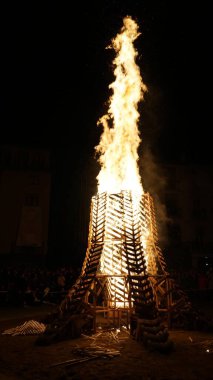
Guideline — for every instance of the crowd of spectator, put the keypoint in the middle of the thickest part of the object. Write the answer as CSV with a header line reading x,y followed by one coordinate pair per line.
x,y
194,280
30,286
197,284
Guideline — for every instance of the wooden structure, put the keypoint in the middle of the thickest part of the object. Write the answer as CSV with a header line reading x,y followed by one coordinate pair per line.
x,y
124,272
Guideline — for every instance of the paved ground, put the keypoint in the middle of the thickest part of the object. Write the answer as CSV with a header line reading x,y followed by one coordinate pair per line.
x,y
14,313
21,359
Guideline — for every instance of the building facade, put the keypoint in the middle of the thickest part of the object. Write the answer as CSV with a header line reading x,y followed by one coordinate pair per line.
x,y
25,184
189,203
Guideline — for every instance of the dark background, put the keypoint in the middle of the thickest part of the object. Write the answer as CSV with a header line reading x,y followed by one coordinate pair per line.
x,y
55,75
56,72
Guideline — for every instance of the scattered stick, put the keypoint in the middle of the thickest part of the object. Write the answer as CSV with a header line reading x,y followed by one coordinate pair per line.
x,y
73,361
95,353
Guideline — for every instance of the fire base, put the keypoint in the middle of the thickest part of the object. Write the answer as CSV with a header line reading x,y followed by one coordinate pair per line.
x,y
124,274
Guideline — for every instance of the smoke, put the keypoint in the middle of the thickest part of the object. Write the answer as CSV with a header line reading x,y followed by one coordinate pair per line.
x,y
154,181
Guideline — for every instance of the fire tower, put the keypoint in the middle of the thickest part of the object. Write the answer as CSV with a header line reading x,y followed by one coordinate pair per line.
x,y
124,272
124,275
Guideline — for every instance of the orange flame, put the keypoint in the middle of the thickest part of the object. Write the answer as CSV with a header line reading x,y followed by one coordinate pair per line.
x,y
120,139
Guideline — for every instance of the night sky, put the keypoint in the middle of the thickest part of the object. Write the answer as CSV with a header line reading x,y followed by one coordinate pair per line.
x,y
56,71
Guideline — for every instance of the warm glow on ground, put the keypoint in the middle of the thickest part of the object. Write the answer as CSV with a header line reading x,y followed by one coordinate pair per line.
x,y
120,139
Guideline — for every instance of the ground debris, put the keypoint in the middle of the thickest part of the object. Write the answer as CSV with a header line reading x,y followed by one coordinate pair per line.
x,y
103,344
89,353
27,328
97,351
206,345
107,337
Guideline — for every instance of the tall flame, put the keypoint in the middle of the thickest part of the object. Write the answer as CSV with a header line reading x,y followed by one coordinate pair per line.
x,y
120,139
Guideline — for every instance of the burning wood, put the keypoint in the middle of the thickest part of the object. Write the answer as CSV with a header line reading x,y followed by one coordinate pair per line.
x,y
124,275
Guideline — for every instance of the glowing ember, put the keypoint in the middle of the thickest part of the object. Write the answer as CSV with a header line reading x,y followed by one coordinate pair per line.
x,y
120,138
